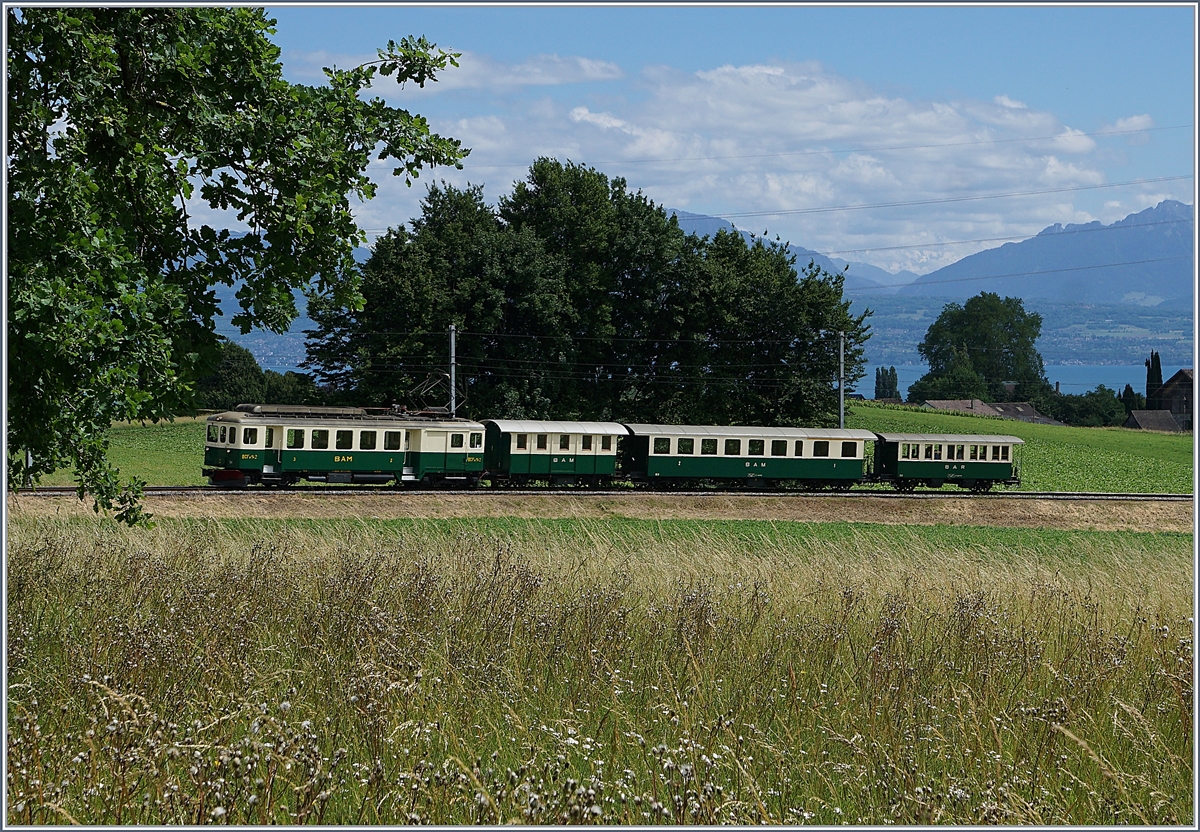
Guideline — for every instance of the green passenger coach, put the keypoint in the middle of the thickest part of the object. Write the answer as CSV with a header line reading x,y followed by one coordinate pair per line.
x,y
283,444
675,453
523,450
974,461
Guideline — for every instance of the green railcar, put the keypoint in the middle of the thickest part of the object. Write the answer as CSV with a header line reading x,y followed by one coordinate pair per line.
x,y
282,444
974,461
690,453
523,450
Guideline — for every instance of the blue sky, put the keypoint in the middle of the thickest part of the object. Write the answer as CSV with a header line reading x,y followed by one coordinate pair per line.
x,y
756,112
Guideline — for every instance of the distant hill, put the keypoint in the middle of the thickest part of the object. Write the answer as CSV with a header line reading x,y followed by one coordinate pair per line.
x,y
1145,259
862,278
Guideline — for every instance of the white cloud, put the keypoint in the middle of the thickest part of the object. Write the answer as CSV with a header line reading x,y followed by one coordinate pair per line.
x,y
1005,101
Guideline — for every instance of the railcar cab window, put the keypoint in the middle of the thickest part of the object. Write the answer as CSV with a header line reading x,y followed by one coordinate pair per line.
x,y
295,438
733,447
849,450
320,439
476,440
662,445
223,431
213,432
542,440
366,440
606,443
799,447
821,447
686,446
778,447
392,440
249,436
564,442
456,440
587,443
756,446
522,441
343,440
708,447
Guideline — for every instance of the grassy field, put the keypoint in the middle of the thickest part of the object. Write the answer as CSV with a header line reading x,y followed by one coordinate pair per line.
x,y
1053,458
615,671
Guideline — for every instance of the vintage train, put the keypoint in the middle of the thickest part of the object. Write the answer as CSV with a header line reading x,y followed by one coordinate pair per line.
x,y
281,445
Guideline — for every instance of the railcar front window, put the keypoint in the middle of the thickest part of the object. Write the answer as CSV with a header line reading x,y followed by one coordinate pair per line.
x,y
757,446
343,440
476,440
295,438
366,440
821,447
778,447
799,447
708,447
213,433
686,446
456,440
662,445
392,440
733,447
250,436
223,431
320,439
849,450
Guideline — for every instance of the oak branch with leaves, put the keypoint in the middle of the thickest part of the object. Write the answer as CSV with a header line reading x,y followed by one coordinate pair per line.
x,y
119,121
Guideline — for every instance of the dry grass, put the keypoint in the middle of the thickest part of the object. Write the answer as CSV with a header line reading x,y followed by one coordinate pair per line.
x,y
487,671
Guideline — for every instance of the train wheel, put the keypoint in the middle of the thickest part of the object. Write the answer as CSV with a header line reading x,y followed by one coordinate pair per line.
x,y
981,487
905,486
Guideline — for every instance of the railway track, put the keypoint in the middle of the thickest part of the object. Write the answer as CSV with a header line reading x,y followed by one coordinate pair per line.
x,y
354,491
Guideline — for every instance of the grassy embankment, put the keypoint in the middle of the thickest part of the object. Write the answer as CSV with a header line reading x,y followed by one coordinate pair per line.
x,y
1053,458
487,671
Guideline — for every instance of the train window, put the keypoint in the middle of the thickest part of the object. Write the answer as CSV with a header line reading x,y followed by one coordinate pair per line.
x,y
366,440
476,440
958,451
708,447
587,443
995,452
799,447
223,431
929,452
756,446
778,447
733,447
270,443
662,445
1004,452
606,443
320,439
849,450
686,446
522,441
974,452
937,451
904,451
295,438
821,447
542,441
564,442
249,436
213,433
392,440
343,440
407,439
456,440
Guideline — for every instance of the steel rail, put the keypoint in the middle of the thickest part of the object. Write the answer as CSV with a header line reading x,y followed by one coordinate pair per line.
x,y
359,490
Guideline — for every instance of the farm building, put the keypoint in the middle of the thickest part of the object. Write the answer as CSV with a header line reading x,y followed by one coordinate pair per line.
x,y
1176,396
1153,420
1021,411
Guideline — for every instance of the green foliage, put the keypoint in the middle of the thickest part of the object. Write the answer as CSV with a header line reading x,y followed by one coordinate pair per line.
x,y
1132,400
1095,408
237,379
957,380
1154,382
291,388
887,383
120,120
579,299
995,338
496,671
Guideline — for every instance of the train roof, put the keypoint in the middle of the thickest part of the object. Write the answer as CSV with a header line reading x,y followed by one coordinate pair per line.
x,y
956,438
749,431
535,426
301,414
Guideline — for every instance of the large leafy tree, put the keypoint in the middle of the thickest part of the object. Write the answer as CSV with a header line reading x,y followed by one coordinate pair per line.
x,y
996,337
122,123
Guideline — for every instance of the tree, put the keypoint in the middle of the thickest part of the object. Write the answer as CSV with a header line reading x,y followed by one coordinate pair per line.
x,y
998,337
887,383
1154,382
120,122
958,380
1132,400
237,379
291,388
1095,408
